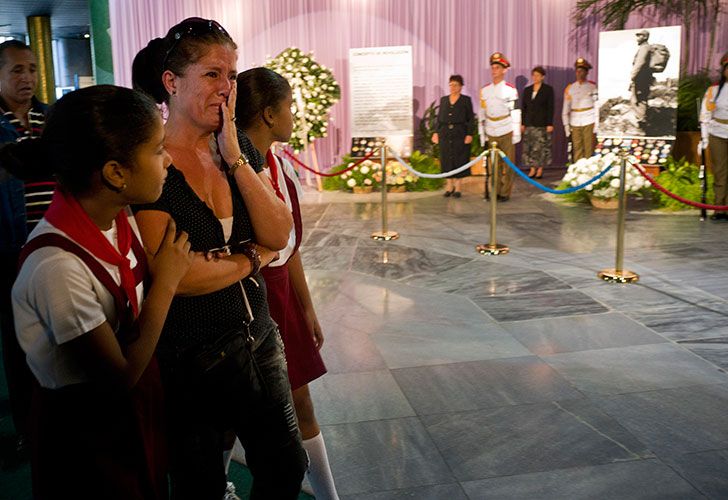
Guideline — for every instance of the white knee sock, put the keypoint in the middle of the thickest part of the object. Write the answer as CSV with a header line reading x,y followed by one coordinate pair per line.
x,y
319,472
227,455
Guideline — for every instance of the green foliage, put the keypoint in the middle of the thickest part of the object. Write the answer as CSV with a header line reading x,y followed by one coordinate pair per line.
x,y
682,178
337,183
581,195
689,93
427,165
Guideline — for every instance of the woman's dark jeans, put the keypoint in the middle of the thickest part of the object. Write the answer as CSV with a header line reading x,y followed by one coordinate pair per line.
x,y
256,403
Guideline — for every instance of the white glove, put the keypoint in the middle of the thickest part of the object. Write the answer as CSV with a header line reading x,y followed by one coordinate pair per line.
x,y
702,145
567,130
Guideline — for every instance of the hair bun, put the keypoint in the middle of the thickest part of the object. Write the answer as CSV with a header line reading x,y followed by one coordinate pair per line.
x,y
146,70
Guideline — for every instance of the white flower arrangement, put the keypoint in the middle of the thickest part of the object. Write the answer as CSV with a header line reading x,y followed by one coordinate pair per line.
x,y
608,186
315,90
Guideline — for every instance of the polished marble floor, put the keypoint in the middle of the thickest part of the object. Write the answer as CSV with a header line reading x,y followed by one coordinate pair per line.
x,y
458,376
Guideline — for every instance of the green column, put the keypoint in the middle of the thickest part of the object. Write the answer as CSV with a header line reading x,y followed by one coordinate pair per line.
x,y
103,61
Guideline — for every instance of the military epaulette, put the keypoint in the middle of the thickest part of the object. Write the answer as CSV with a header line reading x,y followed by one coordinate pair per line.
x,y
567,88
510,85
592,82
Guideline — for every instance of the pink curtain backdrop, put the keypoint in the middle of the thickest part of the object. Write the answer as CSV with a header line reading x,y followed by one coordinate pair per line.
x,y
448,36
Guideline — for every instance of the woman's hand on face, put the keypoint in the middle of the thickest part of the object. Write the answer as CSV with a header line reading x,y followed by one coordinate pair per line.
x,y
173,259
227,139
435,138
468,139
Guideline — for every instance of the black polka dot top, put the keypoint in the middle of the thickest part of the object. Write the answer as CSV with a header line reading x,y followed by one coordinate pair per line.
x,y
194,321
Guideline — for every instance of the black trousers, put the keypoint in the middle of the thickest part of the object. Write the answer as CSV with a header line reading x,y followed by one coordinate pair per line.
x,y
254,401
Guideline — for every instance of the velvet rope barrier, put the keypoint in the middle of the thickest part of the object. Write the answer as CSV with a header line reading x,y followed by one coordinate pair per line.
x,y
322,174
444,175
551,190
656,185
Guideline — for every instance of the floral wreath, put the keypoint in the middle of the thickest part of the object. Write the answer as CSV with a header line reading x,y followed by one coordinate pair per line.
x,y
315,90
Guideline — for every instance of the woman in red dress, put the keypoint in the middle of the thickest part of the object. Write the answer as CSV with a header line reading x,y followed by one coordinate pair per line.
x,y
263,112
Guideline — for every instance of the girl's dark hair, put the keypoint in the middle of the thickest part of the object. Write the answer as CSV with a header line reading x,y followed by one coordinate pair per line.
x,y
258,89
85,129
456,78
539,69
184,44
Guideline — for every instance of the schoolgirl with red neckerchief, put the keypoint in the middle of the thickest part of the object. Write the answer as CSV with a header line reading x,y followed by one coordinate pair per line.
x,y
86,315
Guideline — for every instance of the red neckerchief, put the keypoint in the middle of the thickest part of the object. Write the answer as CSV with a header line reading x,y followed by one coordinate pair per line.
x,y
270,159
66,214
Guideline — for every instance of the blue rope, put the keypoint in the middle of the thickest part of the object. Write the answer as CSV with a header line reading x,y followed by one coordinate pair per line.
x,y
551,190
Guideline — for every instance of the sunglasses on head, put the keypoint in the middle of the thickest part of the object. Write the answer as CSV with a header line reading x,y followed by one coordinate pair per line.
x,y
193,26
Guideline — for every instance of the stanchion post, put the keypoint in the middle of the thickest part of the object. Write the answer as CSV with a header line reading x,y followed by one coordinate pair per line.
x,y
384,234
493,248
619,274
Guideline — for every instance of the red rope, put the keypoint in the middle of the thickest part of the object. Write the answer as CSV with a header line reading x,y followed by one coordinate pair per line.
x,y
718,208
303,165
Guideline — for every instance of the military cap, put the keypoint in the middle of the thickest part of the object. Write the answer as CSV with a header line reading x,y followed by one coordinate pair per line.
x,y
582,63
498,58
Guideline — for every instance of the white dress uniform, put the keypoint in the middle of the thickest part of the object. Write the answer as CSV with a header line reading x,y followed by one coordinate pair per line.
x,y
580,105
714,113
498,110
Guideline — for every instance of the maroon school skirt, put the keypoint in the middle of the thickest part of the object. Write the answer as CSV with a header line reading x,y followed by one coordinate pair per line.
x,y
303,359
89,441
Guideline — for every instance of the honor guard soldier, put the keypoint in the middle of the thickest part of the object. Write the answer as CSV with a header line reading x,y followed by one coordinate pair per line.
x,y
579,113
500,120
714,128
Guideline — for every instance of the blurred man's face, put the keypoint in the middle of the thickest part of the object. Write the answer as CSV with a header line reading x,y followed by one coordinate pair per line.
x,y
581,74
18,75
497,72
641,38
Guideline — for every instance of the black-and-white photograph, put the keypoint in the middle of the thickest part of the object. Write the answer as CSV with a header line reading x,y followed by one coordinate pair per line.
x,y
638,79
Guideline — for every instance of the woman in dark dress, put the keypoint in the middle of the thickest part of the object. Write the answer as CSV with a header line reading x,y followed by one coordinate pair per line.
x,y
220,353
454,133
538,123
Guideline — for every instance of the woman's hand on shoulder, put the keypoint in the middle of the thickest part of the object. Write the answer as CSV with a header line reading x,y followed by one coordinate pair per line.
x,y
227,138
173,258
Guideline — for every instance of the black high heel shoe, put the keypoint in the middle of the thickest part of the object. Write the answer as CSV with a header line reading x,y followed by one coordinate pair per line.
x,y
539,176
447,194
532,173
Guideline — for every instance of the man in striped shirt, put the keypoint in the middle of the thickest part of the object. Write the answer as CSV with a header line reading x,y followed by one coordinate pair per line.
x,y
24,199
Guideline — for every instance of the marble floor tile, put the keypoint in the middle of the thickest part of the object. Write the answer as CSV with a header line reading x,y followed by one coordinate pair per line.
x,y
377,397
422,343
383,455
539,305
707,471
532,438
635,368
333,259
435,492
580,333
327,239
396,262
478,280
674,422
713,350
482,384
637,480
348,350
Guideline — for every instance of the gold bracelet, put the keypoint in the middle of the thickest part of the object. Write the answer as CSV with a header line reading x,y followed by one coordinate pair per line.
x,y
243,160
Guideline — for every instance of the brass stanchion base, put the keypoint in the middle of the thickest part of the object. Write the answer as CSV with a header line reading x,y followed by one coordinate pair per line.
x,y
385,236
488,249
621,276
